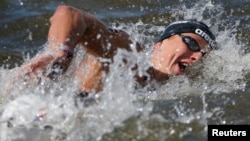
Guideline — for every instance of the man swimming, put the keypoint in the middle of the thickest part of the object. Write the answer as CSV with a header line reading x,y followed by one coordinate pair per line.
x,y
181,45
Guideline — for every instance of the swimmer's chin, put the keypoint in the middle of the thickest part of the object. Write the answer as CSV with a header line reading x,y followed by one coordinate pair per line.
x,y
158,75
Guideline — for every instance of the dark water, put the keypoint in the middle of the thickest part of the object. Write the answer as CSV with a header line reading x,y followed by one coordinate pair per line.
x,y
182,109
24,24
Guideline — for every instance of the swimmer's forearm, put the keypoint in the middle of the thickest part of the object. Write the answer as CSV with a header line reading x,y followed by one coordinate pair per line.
x,y
31,68
40,62
36,64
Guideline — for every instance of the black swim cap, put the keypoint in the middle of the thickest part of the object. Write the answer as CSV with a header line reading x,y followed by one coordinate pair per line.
x,y
190,26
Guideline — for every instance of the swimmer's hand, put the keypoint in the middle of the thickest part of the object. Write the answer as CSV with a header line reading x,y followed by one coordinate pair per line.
x,y
40,62
39,65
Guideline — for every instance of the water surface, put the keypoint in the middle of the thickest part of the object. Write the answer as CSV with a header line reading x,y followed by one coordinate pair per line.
x,y
216,91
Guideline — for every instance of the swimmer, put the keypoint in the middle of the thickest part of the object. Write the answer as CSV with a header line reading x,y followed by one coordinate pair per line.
x,y
182,44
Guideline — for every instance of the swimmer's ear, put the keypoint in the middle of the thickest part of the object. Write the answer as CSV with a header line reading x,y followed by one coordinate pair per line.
x,y
157,45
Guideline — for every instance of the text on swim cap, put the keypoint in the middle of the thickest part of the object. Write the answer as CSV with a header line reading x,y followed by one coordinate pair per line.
x,y
205,36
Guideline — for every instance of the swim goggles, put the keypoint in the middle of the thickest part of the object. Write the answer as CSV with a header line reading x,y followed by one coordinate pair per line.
x,y
193,45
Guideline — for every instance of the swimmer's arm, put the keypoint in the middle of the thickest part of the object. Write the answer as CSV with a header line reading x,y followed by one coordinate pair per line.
x,y
67,27
71,26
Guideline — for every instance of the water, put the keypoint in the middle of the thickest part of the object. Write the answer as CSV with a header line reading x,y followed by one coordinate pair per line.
x,y
215,91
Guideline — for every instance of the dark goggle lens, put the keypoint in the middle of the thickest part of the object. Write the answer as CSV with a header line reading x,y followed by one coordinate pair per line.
x,y
191,43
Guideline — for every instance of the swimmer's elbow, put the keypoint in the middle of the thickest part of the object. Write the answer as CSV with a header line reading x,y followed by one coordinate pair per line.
x,y
68,11
64,8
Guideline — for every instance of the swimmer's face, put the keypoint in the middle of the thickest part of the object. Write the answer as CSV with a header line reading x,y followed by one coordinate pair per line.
x,y
172,55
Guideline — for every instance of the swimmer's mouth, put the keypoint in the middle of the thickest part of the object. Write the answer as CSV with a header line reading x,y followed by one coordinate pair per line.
x,y
183,66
